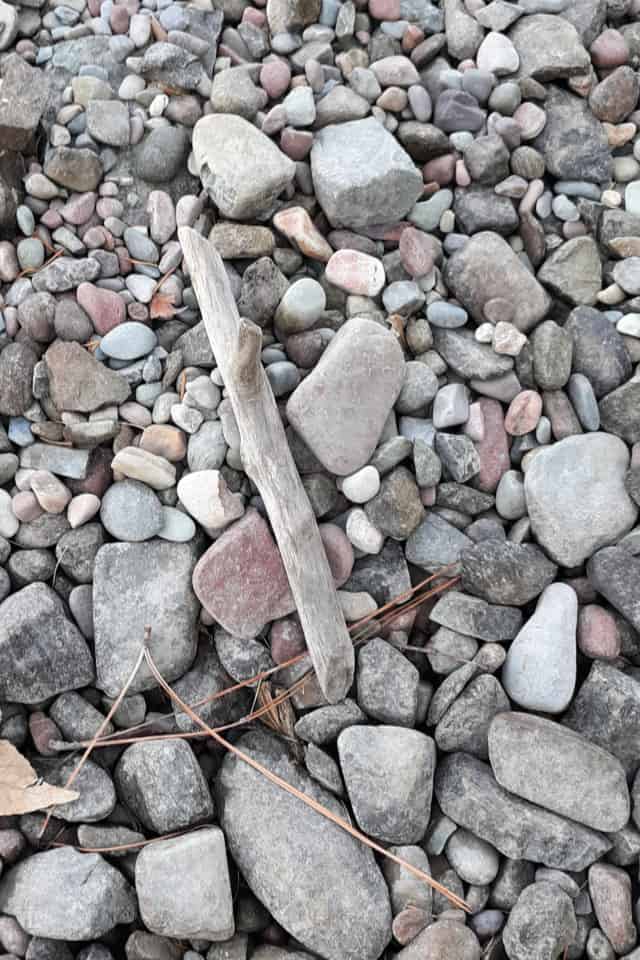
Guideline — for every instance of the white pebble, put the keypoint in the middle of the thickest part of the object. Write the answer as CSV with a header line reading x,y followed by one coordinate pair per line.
x,y
362,485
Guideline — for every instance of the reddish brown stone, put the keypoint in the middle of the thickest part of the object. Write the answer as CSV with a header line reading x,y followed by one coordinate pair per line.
x,y
523,413
338,550
493,449
287,639
598,635
241,580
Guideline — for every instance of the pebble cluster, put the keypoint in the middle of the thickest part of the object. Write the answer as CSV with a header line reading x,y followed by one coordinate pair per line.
x,y
432,210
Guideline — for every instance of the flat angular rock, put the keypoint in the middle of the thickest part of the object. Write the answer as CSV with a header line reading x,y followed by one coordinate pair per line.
x,y
388,773
468,793
573,272
468,358
240,167
384,575
74,168
549,48
162,784
619,411
576,498
140,584
606,710
241,579
506,572
293,859
323,725
435,543
546,763
42,653
465,725
362,176
40,891
63,461
573,142
540,670
485,268
615,574
25,92
599,351
327,409
476,618
78,382
17,362
97,793
197,904
445,938
541,924
387,684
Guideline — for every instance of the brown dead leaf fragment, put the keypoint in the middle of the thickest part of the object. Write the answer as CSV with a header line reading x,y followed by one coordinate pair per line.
x,y
20,789
162,306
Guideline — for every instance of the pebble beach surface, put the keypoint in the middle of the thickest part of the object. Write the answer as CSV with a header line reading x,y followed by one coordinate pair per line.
x,y
432,211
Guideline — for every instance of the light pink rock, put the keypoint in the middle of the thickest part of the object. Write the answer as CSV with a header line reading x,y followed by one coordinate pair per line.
x,y
531,119
493,449
338,550
241,580
43,731
9,267
79,208
395,71
385,9
609,50
296,143
82,508
119,19
256,17
205,495
610,892
26,507
441,169
287,639
523,413
275,78
298,227
356,272
418,252
598,635
462,174
106,308
428,496
49,491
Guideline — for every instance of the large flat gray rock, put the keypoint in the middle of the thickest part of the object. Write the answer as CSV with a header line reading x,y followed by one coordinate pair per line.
x,y
559,770
486,267
573,142
362,176
334,409
137,585
576,498
320,884
468,793
67,895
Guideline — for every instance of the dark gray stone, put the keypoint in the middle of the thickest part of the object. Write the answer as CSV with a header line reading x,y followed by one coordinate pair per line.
x,y
435,543
476,617
384,575
479,208
323,725
396,510
573,142
205,678
402,760
97,793
468,793
599,352
293,860
468,358
162,784
17,361
76,551
552,353
465,725
619,411
42,653
387,684
542,923
506,572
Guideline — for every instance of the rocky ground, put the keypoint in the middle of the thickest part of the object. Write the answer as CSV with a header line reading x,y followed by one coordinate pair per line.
x,y
433,212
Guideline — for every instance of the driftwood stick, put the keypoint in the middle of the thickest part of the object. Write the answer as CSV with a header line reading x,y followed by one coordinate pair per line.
x,y
266,457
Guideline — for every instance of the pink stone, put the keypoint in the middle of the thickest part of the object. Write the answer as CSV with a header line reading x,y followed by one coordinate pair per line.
x,y
441,170
356,272
241,580
94,7
531,119
298,227
296,143
50,492
385,9
523,413
119,19
428,496
287,639
418,252
106,308
95,238
82,508
408,923
26,507
79,208
51,219
257,17
275,78
598,635
493,449
610,49
338,550
43,731
462,174
412,36
611,895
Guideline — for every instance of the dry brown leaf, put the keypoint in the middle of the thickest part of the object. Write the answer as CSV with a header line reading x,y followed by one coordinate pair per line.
x,y
162,307
20,791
